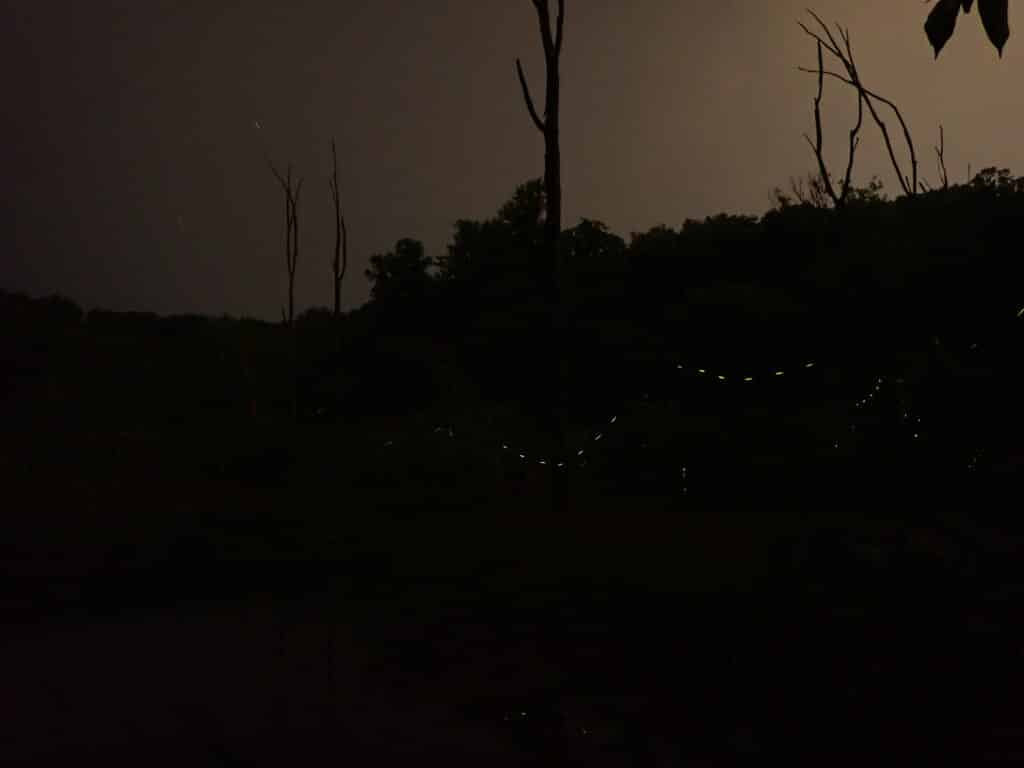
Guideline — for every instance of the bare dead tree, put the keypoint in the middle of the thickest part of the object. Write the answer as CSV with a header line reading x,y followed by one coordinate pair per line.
x,y
291,246
824,178
549,126
555,272
844,53
940,154
340,264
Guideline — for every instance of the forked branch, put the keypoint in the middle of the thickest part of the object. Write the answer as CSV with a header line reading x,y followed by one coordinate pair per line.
x,y
817,146
843,51
291,246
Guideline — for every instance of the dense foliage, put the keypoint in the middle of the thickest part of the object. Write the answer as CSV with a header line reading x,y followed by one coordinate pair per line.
x,y
881,287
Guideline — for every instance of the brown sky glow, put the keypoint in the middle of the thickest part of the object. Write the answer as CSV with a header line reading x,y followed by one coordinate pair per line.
x,y
137,130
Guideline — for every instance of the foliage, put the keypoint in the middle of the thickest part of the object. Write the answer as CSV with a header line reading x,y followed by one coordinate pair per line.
x,y
941,22
812,193
401,274
862,288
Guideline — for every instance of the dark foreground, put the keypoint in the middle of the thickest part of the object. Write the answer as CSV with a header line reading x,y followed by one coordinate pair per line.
x,y
213,622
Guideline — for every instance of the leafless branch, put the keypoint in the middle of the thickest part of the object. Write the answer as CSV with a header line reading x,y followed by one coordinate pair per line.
x,y
818,143
940,153
854,143
844,53
529,99
340,263
291,199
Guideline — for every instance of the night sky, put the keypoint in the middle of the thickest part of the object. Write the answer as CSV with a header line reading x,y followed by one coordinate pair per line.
x,y
135,131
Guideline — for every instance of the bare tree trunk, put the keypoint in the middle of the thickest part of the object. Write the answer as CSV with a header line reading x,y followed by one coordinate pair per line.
x,y
340,264
291,198
940,156
549,129
291,260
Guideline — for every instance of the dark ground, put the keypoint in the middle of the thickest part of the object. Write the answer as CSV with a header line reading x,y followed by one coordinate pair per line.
x,y
174,601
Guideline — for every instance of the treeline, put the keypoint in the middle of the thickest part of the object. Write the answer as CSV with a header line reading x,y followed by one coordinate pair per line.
x,y
863,290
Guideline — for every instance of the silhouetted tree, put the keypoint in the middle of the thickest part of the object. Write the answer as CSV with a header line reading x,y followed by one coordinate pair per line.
x,y
521,223
597,269
940,158
941,22
591,247
340,263
810,192
501,259
844,53
549,126
524,215
466,253
291,196
401,273
823,182
872,193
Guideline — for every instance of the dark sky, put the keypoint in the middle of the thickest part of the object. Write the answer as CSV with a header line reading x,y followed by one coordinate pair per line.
x,y
136,129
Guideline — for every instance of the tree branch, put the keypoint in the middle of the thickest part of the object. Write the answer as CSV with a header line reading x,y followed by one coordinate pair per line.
x,y
529,99
940,152
560,25
340,263
854,143
853,79
344,250
819,133
333,184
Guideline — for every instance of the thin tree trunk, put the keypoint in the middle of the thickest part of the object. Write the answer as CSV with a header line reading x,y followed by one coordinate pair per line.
x,y
340,264
557,344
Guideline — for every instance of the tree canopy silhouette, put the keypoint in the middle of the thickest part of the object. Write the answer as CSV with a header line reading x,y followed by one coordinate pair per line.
x,y
401,273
